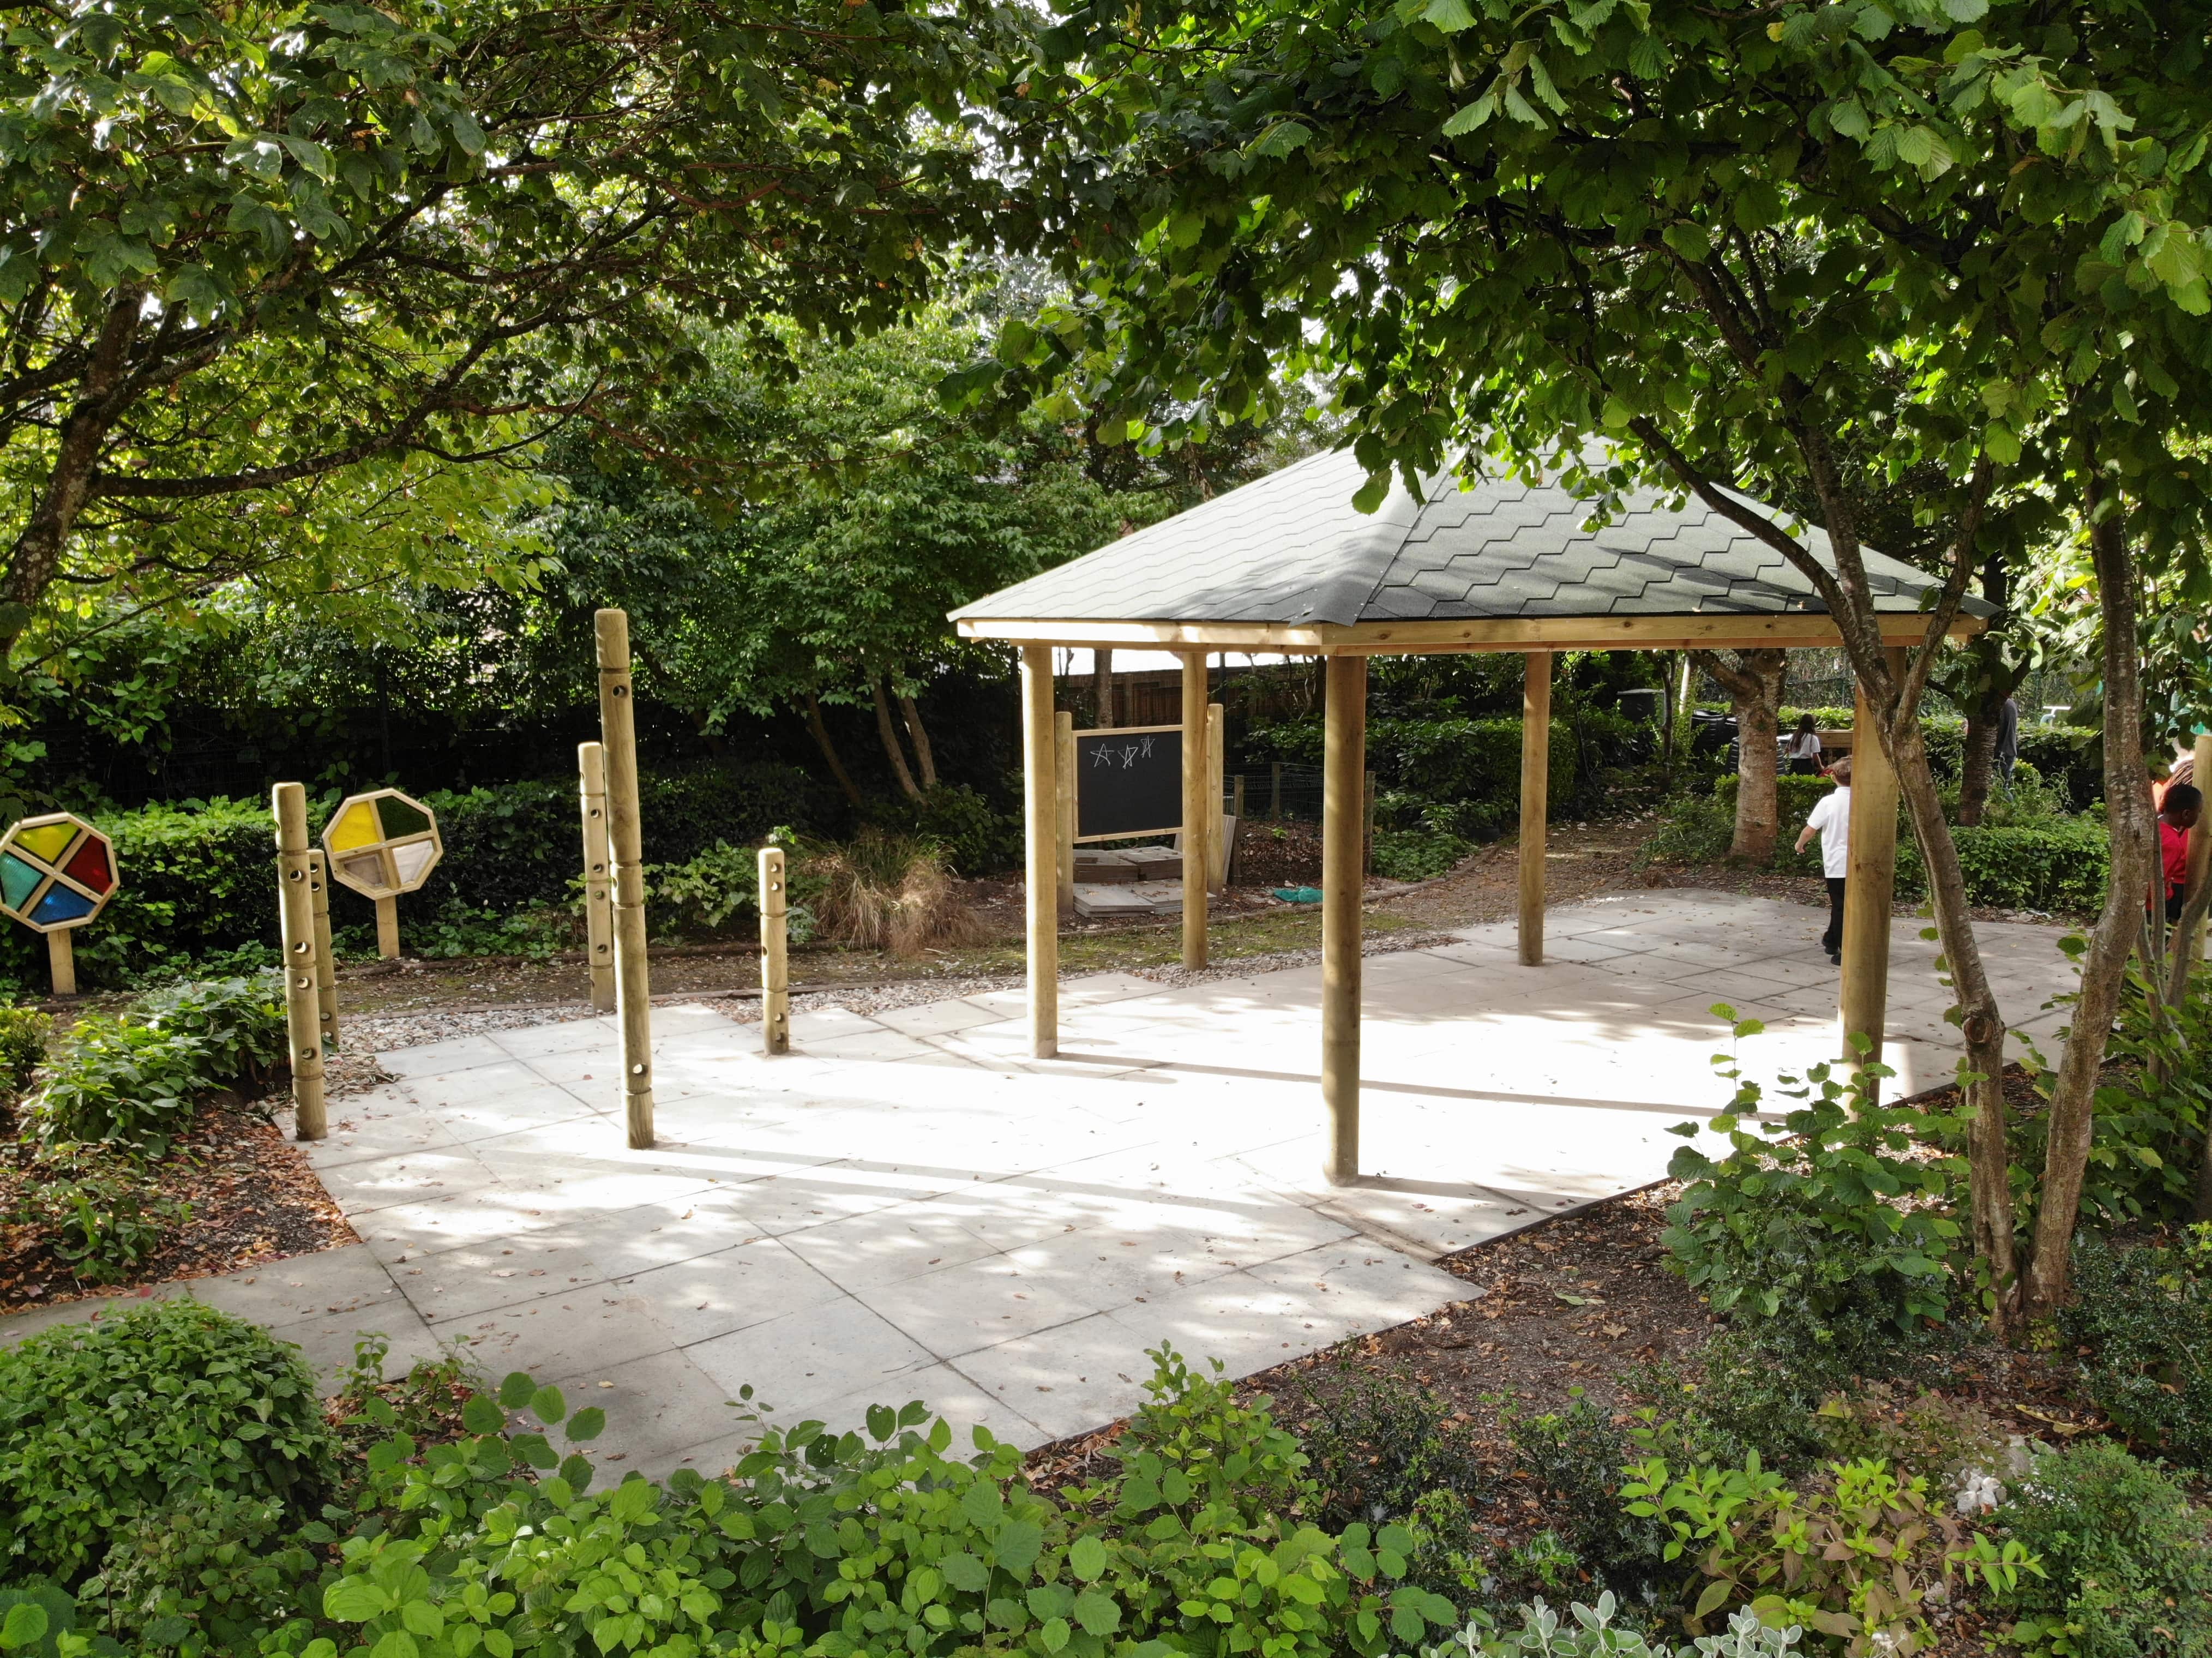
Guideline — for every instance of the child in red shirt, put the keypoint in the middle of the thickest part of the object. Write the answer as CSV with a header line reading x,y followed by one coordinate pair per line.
x,y
2177,815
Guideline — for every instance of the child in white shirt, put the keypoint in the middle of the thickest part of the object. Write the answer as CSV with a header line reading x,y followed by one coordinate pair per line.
x,y
1831,819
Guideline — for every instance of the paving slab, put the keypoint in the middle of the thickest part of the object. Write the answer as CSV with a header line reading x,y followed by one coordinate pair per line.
x,y
910,1206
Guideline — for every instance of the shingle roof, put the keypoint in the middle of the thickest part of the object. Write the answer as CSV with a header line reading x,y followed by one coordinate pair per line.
x,y
1291,548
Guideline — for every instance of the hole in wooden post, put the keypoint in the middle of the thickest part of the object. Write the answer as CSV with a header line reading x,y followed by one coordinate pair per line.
x,y
637,1071
300,949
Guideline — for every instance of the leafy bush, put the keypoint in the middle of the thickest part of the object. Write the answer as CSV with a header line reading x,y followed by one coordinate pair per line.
x,y
830,1544
103,1424
1576,1458
1857,1559
134,1079
2127,1568
1416,854
2064,865
24,1034
1449,759
1875,1421
2141,1322
1823,1221
1380,1441
205,1573
103,1211
977,837
1592,1634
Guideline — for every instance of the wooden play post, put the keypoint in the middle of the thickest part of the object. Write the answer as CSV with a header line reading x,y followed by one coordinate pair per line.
x,y
1217,749
61,962
1201,804
598,911
1535,801
387,928
775,958
296,900
633,997
1063,772
326,965
1871,880
1344,764
1041,837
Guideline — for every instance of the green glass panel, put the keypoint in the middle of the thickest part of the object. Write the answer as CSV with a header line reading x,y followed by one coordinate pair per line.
x,y
399,818
18,880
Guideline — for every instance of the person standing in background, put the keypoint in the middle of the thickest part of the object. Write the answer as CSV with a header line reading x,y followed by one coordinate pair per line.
x,y
2008,750
2176,815
1831,819
1805,748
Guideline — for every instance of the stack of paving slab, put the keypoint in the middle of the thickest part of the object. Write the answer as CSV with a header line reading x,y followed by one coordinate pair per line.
x,y
1131,881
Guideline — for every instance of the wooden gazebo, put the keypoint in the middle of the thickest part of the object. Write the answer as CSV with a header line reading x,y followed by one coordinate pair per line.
x,y
1287,564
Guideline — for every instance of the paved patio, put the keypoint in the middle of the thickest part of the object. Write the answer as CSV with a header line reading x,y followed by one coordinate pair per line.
x,y
907,1207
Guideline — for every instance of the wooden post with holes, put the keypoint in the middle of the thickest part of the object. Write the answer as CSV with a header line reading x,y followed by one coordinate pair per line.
x,y
775,956
1871,882
1217,846
598,897
1040,870
295,901
326,966
61,961
387,928
1344,764
633,995
1063,772
1200,805
1536,801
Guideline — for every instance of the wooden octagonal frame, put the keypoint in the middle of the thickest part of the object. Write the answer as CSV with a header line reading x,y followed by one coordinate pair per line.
x,y
377,852
56,863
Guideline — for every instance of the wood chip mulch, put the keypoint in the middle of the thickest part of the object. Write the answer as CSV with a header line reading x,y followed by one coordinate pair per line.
x,y
254,1199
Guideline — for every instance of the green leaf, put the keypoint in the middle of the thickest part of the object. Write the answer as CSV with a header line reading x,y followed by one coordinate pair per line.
x,y
1054,1634
1449,16
25,1624
395,1643
1097,1611
1086,1558
548,1405
1467,117
482,1415
354,1601
587,1424
1690,240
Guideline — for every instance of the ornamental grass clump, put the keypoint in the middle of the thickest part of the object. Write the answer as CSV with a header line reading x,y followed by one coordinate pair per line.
x,y
893,892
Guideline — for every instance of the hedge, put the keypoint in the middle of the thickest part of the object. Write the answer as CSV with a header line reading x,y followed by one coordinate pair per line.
x,y
198,887
1439,760
2066,755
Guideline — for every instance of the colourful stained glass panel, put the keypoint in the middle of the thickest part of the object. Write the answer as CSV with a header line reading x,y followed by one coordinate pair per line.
x,y
357,828
61,904
399,818
18,880
47,842
368,869
90,867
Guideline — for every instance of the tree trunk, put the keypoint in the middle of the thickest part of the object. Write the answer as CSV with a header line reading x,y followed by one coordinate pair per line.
x,y
919,734
1979,761
883,729
1103,684
815,724
2104,964
1753,683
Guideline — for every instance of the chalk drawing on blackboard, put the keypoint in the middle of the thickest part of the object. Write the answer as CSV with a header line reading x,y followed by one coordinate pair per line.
x,y
1128,781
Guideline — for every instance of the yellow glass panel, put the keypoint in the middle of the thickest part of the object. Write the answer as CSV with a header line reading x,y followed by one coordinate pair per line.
x,y
357,827
47,842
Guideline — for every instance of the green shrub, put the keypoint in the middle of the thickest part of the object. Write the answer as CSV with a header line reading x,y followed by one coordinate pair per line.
x,y
1821,1224
134,1079
2127,1568
1591,1633
205,1574
1575,1458
1416,854
1380,1441
1857,1559
102,1423
24,1034
2141,1324
977,837
2063,867
103,1211
1450,759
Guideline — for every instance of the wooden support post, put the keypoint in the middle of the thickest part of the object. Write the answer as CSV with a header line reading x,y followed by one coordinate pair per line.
x,y
1870,881
387,928
1202,805
61,961
598,895
1344,765
1063,816
775,958
326,962
295,901
1535,801
625,846
1040,872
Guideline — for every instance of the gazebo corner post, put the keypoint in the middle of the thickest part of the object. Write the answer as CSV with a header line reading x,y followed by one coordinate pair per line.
x,y
1200,805
1344,768
1536,801
1870,883
1041,846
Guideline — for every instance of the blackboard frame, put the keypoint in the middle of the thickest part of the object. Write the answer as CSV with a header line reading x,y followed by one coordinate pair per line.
x,y
1119,833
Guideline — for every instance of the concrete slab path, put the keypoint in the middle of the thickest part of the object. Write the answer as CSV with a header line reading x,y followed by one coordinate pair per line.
x,y
908,1207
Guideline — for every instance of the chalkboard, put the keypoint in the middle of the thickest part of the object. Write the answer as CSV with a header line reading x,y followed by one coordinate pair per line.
x,y
1129,782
